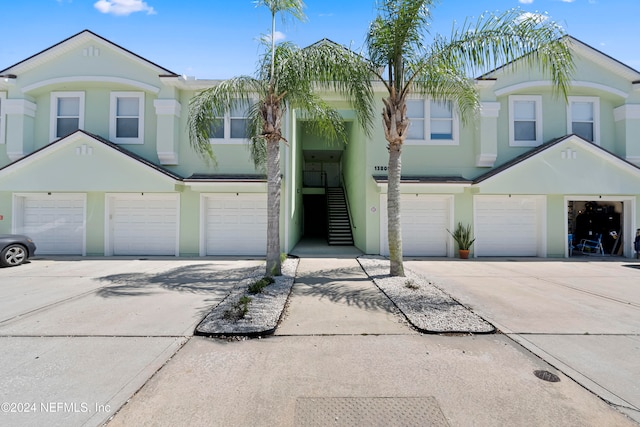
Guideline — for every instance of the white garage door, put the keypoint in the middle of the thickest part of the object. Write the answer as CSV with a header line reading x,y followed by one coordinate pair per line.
x,y
508,226
55,222
144,224
235,224
424,220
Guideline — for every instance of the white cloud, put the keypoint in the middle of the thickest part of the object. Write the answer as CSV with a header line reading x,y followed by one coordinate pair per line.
x,y
526,1
123,7
567,1
278,36
536,17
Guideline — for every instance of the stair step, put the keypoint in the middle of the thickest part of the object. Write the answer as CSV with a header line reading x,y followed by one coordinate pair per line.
x,y
339,224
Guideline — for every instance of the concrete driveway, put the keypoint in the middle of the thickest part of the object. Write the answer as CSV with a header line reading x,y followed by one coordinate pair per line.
x,y
583,317
78,337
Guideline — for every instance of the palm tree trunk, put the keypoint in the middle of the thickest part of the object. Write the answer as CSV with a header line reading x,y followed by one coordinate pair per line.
x,y
273,207
393,211
394,116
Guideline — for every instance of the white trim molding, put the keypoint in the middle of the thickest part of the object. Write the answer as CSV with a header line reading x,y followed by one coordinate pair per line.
x,y
627,112
167,107
574,84
485,160
92,79
20,107
167,157
489,109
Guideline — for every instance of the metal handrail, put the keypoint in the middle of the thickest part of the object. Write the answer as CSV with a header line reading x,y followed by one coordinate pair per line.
x,y
346,199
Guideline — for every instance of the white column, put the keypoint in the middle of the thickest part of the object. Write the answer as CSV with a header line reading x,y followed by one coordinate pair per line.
x,y
167,132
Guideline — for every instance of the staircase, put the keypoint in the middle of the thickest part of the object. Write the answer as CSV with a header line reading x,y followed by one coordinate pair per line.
x,y
339,225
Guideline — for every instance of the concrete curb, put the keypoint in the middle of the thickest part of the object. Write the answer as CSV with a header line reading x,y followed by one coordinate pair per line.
x,y
265,309
426,307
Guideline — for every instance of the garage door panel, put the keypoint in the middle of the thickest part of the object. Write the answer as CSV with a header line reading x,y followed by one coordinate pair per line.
x,y
144,226
507,226
235,224
56,223
424,220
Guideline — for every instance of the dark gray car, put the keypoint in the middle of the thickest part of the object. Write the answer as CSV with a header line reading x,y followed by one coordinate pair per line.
x,y
15,249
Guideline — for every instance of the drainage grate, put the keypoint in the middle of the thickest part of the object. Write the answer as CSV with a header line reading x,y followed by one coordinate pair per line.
x,y
547,376
368,411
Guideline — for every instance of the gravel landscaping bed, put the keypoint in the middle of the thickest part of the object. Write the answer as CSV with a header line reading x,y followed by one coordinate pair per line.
x,y
264,310
426,307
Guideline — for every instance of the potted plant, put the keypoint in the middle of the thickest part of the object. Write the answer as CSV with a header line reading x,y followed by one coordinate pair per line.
x,y
462,236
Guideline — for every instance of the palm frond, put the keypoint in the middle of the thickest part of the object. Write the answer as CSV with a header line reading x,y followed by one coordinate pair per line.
x,y
285,8
442,83
398,33
258,144
326,67
510,38
321,118
205,106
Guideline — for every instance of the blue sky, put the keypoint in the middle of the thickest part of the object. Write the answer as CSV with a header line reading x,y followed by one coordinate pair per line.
x,y
218,38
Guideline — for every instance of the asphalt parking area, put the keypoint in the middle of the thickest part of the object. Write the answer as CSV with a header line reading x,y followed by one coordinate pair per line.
x,y
79,336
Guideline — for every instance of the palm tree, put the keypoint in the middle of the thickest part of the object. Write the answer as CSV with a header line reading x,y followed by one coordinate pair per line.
x,y
406,62
287,77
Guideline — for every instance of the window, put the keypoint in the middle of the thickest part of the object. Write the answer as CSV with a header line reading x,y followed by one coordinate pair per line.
x,y
127,118
583,117
415,113
441,120
216,128
67,113
441,128
238,121
232,128
3,118
525,120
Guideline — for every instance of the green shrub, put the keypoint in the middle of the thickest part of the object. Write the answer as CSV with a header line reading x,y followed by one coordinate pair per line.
x,y
259,285
238,310
409,283
463,236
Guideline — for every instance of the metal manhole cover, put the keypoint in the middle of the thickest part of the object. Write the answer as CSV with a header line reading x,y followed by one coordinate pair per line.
x,y
547,376
368,411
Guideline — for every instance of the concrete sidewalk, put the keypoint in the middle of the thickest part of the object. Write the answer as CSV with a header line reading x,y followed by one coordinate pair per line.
x,y
342,350
334,296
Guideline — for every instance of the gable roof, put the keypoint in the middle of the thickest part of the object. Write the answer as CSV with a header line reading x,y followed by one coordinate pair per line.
x,y
72,43
588,52
596,149
72,137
